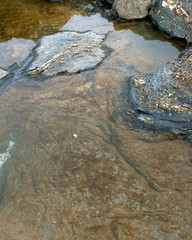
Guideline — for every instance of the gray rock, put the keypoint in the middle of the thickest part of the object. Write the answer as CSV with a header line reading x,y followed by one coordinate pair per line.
x,y
132,9
89,8
174,17
163,100
67,52
3,73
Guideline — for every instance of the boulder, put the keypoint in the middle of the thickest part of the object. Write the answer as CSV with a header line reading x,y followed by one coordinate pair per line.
x,y
174,17
132,9
163,100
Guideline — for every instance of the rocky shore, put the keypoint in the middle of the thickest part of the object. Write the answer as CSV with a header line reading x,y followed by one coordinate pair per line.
x,y
72,163
171,16
162,100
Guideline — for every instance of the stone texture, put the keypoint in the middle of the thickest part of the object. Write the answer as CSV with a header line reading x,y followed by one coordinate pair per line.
x,y
162,100
132,9
67,52
174,17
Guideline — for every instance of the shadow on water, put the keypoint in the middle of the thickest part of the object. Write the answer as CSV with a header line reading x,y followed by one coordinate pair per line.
x,y
74,173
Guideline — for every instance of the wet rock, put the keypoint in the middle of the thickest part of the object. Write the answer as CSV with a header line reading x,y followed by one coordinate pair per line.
x,y
132,9
56,0
67,52
174,17
101,6
3,73
87,7
163,100
90,8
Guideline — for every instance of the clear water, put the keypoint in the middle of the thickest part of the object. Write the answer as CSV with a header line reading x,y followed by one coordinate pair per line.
x,y
72,172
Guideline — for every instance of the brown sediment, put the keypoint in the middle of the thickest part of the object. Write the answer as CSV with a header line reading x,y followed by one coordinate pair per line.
x,y
76,174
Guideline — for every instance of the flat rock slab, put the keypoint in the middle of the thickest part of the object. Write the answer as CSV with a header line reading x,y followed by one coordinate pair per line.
x,y
67,52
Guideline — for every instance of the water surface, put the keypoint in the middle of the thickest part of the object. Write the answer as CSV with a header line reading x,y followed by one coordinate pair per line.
x,y
73,173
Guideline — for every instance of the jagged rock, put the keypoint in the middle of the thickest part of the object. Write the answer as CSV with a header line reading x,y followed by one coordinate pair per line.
x,y
132,9
174,17
67,52
163,100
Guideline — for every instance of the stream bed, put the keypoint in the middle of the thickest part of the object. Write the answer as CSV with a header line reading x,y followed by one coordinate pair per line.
x,y
69,167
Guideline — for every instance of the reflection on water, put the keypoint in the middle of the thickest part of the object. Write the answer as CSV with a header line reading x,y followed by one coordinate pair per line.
x,y
75,174
30,19
15,50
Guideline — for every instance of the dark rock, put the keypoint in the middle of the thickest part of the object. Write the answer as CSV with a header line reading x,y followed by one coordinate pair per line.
x,y
162,100
56,0
174,17
87,7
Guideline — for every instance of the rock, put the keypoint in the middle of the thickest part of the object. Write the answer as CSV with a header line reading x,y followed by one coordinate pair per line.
x,y
174,17
56,0
132,9
163,100
105,3
89,8
67,52
3,73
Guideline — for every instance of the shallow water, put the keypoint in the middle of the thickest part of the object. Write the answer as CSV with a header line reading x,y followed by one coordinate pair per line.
x,y
74,173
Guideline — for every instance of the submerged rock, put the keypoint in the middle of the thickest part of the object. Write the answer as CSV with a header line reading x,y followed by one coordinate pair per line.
x,y
67,52
163,100
174,17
